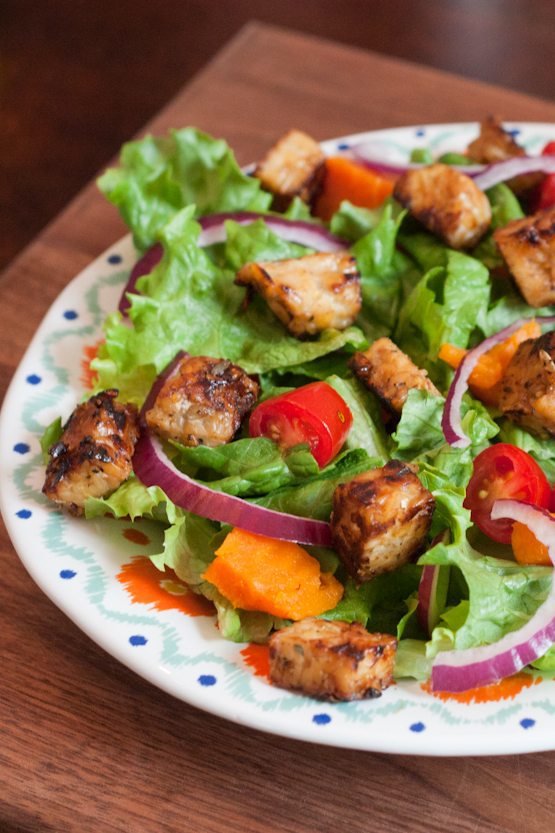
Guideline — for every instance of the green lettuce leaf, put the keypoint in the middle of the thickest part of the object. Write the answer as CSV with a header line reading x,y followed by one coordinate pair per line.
x,y
191,304
367,430
249,466
313,498
543,451
159,176
446,305
386,275
502,595
419,436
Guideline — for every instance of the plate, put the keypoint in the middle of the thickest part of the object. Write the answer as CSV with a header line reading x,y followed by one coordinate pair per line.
x,y
98,574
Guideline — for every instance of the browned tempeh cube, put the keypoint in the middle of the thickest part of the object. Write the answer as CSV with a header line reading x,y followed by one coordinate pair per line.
x,y
447,202
332,660
528,248
308,294
93,455
293,167
380,519
528,386
203,402
390,374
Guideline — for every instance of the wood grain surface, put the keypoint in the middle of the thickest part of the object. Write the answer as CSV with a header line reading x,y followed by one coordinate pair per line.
x,y
89,746
78,78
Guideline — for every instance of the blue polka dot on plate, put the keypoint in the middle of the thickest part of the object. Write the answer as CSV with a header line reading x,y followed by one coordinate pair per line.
x,y
137,639
70,314
527,722
115,259
343,146
417,727
207,679
34,379
21,448
24,513
67,574
420,132
321,719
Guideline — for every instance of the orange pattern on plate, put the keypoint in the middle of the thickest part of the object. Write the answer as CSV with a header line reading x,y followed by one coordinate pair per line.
x,y
136,536
164,591
89,376
503,690
257,657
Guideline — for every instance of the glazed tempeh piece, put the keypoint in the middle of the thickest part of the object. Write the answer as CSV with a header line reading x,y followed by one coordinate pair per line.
x,y
528,386
293,167
495,144
203,402
447,202
308,294
390,374
528,248
93,455
332,660
380,519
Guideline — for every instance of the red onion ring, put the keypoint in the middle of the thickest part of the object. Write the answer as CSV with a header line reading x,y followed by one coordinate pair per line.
x,y
486,664
213,231
427,609
153,468
374,156
451,422
516,166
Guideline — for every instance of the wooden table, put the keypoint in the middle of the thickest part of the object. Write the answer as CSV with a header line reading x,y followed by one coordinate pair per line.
x,y
88,746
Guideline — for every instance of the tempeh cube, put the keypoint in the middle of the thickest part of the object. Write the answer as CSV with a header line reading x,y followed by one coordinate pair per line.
x,y
332,660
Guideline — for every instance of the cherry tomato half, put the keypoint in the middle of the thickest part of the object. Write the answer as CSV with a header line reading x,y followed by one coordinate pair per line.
x,y
503,471
313,414
546,191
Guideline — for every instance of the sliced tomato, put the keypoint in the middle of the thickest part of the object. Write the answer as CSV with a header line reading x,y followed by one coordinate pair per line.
x,y
546,190
313,414
504,471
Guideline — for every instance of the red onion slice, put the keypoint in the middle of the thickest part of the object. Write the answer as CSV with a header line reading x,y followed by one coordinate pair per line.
x,y
431,590
213,231
451,422
486,664
381,158
516,166
153,468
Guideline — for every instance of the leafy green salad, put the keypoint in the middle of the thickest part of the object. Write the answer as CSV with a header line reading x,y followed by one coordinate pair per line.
x,y
416,291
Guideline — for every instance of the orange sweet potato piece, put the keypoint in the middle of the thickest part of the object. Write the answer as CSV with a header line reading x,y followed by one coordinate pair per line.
x,y
345,179
277,577
487,375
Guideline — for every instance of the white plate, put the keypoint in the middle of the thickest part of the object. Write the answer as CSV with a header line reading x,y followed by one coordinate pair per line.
x,y
81,565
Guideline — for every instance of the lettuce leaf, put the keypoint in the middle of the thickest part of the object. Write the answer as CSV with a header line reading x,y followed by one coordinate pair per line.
x,y
502,595
249,466
446,305
419,435
192,304
158,176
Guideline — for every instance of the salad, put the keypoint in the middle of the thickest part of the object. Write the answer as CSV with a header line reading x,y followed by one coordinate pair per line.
x,y
330,380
